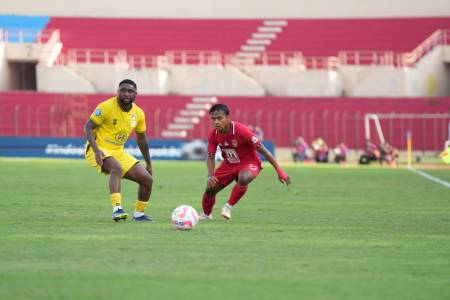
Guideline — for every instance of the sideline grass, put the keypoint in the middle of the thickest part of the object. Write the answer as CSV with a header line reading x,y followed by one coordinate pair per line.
x,y
336,233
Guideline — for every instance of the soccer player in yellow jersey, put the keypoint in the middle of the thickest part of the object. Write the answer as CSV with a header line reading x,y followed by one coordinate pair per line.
x,y
107,130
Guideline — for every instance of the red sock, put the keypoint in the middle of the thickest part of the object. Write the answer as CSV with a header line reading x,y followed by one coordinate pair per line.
x,y
208,203
237,193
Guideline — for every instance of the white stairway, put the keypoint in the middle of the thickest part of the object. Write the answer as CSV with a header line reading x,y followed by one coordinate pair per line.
x,y
189,117
260,40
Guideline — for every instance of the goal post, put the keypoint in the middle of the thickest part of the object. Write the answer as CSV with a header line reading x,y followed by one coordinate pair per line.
x,y
424,131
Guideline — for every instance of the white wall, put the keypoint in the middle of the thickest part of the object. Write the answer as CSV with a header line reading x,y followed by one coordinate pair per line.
x,y
284,81
212,80
106,77
26,52
60,79
149,81
102,76
5,82
429,78
99,78
373,81
229,8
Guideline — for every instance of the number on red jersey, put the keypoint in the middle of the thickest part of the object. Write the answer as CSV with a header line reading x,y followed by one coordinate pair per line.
x,y
231,155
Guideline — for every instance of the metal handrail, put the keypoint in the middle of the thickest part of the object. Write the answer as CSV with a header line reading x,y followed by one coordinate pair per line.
x,y
25,35
285,58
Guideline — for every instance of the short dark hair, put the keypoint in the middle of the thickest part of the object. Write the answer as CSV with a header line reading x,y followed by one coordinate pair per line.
x,y
129,81
219,107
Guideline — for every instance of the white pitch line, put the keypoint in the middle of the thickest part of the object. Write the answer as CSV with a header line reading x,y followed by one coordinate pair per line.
x,y
429,177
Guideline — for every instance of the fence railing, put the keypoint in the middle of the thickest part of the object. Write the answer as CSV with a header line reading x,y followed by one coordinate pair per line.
x,y
390,58
99,56
110,56
24,35
193,57
379,58
439,37
146,61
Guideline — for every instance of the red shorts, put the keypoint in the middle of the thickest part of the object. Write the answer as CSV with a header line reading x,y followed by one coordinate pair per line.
x,y
226,173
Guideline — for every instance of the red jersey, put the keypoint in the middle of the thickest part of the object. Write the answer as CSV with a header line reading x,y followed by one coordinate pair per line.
x,y
238,145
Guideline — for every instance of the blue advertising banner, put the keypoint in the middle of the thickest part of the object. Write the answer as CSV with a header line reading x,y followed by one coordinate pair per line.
x,y
75,147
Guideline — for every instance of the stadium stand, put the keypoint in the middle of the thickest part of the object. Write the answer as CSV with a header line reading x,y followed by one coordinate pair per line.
x,y
33,24
328,37
156,36
312,37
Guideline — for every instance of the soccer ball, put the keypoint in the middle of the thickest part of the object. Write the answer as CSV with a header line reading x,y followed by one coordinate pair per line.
x,y
184,217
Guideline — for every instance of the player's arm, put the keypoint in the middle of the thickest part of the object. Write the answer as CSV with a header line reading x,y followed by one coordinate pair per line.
x,y
282,175
210,166
89,132
143,146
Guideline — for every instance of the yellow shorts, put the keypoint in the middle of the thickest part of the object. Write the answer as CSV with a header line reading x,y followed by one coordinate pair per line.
x,y
125,160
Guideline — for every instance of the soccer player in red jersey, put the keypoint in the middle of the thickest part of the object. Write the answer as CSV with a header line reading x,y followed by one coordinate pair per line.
x,y
241,161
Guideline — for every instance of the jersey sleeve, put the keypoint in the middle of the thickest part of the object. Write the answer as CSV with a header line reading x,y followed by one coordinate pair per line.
x,y
249,136
212,144
98,116
141,126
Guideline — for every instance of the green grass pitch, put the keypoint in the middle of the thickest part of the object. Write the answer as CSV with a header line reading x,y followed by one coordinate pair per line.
x,y
336,233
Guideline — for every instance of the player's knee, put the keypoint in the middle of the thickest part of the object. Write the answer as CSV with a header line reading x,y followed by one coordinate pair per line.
x,y
116,169
148,181
245,179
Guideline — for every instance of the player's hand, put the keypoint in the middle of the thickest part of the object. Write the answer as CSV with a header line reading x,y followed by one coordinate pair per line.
x,y
283,176
99,157
149,169
211,181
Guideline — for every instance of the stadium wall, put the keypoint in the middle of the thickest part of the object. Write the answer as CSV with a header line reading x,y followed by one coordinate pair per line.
x,y
5,82
374,81
212,80
430,77
61,79
282,118
99,78
231,8
288,81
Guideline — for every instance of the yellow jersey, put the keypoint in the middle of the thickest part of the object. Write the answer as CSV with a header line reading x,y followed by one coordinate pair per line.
x,y
114,125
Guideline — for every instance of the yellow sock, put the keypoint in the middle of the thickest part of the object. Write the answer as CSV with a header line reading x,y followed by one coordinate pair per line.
x,y
116,199
140,206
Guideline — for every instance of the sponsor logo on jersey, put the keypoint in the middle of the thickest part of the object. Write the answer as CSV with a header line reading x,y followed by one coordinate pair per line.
x,y
98,112
121,137
253,167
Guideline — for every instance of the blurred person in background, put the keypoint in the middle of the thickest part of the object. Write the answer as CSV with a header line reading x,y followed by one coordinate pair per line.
x,y
300,150
321,150
340,152
259,133
389,154
371,153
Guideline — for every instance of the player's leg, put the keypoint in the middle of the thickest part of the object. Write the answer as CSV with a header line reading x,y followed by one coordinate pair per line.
x,y
112,166
209,199
224,174
141,176
246,175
